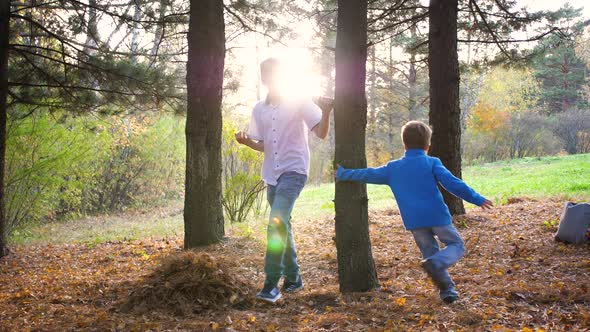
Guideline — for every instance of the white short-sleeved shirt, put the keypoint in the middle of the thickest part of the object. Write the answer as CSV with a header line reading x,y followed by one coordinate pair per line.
x,y
284,129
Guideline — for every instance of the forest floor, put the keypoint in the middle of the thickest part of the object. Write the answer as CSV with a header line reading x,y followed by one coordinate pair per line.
x,y
514,276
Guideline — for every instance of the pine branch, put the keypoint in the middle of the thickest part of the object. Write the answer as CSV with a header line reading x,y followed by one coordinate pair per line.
x,y
387,12
129,19
507,41
249,28
414,19
489,28
17,48
73,43
77,87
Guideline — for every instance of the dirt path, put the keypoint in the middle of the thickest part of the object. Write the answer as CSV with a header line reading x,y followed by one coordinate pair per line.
x,y
513,277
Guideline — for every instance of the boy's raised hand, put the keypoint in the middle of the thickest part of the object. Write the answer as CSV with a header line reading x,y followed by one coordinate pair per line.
x,y
325,103
241,137
487,204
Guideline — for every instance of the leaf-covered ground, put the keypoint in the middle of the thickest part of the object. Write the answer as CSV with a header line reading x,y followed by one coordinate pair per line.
x,y
513,277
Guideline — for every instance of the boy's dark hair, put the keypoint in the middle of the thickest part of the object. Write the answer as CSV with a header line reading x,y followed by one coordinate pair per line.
x,y
416,135
269,66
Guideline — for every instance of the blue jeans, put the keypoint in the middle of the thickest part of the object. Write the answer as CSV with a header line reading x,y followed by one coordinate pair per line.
x,y
281,256
448,256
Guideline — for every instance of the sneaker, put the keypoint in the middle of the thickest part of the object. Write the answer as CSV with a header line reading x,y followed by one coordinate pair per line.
x,y
450,299
449,296
292,287
270,293
436,274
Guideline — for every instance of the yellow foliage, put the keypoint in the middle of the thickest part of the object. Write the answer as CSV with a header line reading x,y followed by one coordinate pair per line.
x,y
487,119
510,90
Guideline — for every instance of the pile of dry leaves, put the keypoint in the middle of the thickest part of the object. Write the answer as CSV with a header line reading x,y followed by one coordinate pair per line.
x,y
190,282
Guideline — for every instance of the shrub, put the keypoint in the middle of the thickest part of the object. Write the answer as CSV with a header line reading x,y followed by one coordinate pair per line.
x,y
62,165
47,165
573,128
528,134
521,134
243,187
143,164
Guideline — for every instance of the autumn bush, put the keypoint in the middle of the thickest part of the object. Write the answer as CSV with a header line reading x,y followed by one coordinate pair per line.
x,y
510,120
493,135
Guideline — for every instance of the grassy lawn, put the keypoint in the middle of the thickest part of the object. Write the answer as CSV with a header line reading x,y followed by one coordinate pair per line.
x,y
567,177
100,229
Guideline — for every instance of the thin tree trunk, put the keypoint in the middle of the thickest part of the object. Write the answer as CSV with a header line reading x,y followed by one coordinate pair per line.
x,y
203,212
327,67
390,132
445,113
372,95
4,38
159,33
135,30
92,35
257,49
373,107
92,38
467,100
412,80
356,268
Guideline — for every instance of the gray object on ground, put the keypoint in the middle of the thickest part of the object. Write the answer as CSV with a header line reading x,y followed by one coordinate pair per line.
x,y
574,223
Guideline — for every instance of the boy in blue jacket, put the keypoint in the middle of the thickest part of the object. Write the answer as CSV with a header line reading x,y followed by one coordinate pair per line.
x,y
414,181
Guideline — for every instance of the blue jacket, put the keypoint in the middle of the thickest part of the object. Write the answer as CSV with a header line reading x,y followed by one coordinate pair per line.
x,y
413,180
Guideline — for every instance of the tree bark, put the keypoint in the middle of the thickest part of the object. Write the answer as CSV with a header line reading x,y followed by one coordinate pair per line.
x,y
356,268
4,38
203,214
445,114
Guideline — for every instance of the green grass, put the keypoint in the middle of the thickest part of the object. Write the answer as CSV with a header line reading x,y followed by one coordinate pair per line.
x,y
316,201
101,229
567,177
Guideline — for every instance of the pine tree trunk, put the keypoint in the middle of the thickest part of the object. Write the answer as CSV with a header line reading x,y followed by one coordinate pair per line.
x,y
203,214
4,37
356,268
445,114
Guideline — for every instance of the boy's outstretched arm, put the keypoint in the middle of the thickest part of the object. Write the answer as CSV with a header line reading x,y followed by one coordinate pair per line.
x,y
457,187
377,175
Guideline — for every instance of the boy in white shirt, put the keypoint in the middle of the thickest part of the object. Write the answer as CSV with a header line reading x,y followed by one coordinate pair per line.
x,y
279,128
